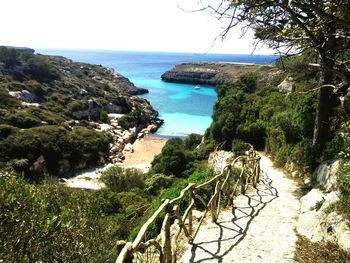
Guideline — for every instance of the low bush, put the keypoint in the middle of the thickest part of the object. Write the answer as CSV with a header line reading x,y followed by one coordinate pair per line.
x,y
155,183
51,223
119,179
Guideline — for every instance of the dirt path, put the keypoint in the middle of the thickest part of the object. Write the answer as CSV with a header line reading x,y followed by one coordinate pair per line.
x,y
260,227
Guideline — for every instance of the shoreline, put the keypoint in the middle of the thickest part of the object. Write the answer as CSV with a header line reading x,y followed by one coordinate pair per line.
x,y
140,157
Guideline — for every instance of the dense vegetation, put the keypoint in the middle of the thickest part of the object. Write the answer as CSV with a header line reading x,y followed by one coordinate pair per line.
x,y
49,222
49,109
280,122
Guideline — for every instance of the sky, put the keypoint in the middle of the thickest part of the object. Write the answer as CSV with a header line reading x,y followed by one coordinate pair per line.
x,y
152,25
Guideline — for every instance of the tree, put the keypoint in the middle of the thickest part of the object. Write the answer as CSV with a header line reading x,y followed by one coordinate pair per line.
x,y
295,26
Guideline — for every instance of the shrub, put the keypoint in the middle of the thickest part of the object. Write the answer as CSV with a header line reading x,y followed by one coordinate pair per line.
x,y
104,117
155,183
41,69
9,56
239,146
6,130
51,223
283,154
192,141
172,160
248,82
120,180
49,147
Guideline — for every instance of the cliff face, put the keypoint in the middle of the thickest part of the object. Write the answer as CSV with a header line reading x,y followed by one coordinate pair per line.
x,y
211,73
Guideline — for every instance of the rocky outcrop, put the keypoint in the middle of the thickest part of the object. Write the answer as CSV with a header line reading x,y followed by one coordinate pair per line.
x,y
212,73
201,75
319,222
325,175
24,96
286,86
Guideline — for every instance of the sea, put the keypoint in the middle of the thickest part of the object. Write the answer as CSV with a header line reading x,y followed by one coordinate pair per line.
x,y
184,108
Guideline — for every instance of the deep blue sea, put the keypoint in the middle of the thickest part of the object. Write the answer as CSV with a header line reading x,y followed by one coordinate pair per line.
x,y
184,109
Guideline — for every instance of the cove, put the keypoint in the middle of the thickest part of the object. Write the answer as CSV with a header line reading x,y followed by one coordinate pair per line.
x,y
184,108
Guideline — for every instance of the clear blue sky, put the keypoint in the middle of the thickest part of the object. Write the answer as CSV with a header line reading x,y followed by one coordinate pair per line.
x,y
153,25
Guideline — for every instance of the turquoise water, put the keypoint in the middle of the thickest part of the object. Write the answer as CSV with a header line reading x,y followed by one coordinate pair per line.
x,y
183,108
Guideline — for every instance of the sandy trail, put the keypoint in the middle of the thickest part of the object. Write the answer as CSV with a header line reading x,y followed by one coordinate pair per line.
x,y
260,227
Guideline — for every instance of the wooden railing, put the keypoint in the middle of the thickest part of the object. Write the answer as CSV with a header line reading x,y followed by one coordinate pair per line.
x,y
241,172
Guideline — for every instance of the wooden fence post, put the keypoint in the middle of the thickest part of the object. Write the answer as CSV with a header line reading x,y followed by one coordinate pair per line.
x,y
166,241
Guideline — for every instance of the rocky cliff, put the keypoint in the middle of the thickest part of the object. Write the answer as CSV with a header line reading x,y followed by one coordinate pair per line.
x,y
212,73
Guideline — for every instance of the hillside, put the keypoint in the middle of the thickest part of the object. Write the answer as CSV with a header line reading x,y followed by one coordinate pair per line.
x,y
49,104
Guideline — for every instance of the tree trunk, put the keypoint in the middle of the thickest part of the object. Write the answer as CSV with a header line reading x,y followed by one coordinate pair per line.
x,y
322,125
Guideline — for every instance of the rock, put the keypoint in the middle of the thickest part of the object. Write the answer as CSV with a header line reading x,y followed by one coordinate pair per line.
x,y
325,175
309,201
318,222
129,148
212,73
106,127
140,135
24,96
286,86
114,109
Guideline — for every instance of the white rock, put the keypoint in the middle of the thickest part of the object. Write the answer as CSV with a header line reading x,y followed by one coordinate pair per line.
x,y
105,127
309,201
325,175
129,148
323,225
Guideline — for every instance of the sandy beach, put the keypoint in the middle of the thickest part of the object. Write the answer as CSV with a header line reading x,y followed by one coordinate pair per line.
x,y
144,151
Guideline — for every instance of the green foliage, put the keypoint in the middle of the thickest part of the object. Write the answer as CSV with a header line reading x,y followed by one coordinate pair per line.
x,y
39,68
6,130
282,155
155,183
104,117
51,223
248,82
10,57
239,147
54,149
172,160
120,180
192,141
133,203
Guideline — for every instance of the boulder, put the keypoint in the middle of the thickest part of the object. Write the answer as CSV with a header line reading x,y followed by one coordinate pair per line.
x,y
114,109
309,201
24,96
318,222
286,86
325,175
129,148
